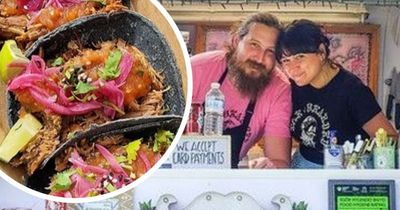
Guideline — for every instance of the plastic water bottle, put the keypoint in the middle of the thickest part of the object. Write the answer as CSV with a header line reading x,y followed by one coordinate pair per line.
x,y
214,111
333,153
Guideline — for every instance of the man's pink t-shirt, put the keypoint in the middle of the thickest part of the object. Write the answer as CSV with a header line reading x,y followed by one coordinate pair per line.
x,y
273,107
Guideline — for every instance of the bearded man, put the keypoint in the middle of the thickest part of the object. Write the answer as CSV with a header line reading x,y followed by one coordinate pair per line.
x,y
257,95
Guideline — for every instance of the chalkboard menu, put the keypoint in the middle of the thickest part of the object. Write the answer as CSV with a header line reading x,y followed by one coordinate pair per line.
x,y
361,194
194,151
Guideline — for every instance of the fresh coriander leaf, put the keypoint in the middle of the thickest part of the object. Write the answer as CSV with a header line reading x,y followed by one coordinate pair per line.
x,y
62,181
121,159
127,166
132,148
67,74
163,139
83,87
111,70
58,62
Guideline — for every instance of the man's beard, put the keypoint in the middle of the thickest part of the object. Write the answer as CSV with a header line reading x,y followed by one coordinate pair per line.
x,y
246,84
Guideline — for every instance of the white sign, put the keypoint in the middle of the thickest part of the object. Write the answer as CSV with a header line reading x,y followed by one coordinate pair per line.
x,y
123,201
109,204
201,152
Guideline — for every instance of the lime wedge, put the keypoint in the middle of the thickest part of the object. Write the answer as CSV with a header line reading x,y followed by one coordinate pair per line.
x,y
23,131
12,61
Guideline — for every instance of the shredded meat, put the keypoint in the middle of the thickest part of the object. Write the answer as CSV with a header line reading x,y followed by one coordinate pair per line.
x,y
114,144
108,141
51,17
80,123
152,104
13,26
87,149
62,160
9,8
25,29
143,89
27,38
49,137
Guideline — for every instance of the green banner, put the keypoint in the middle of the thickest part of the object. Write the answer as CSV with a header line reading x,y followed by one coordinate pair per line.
x,y
362,203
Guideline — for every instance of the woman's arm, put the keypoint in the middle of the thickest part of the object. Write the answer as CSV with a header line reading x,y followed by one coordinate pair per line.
x,y
380,121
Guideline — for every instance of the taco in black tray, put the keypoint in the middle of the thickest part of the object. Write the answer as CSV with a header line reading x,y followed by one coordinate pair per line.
x,y
98,74
106,162
26,21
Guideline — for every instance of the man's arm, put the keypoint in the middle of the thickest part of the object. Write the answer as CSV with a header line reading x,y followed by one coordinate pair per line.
x,y
277,142
278,151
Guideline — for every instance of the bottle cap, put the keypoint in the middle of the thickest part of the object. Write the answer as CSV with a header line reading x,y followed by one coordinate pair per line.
x,y
215,85
358,137
332,137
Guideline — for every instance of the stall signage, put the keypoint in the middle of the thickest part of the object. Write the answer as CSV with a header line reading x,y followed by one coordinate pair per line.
x,y
201,152
361,195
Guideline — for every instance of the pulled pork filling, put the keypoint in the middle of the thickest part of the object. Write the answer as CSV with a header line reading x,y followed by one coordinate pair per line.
x,y
81,88
38,17
12,26
109,164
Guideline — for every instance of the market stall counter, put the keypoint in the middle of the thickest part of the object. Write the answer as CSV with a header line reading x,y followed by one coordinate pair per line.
x,y
270,189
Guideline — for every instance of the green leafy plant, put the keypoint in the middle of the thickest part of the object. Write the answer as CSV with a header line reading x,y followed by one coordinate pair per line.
x,y
146,206
301,206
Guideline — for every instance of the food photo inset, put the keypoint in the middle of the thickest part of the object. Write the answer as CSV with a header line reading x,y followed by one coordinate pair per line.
x,y
92,106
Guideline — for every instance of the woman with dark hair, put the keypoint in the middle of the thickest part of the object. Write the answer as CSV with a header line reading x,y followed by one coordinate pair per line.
x,y
324,95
